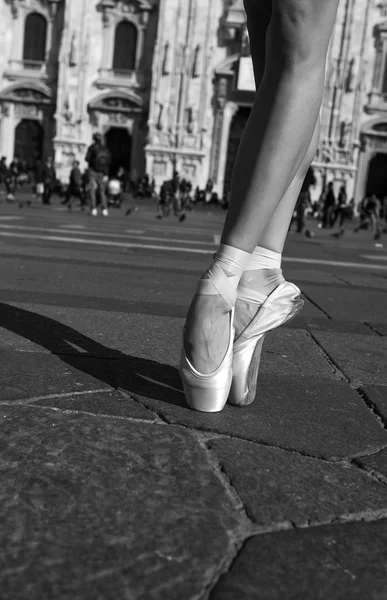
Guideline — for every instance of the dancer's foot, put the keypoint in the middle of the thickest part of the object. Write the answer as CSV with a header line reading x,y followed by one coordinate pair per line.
x,y
207,332
261,283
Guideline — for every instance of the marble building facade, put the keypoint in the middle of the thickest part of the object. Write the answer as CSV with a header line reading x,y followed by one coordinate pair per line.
x,y
169,83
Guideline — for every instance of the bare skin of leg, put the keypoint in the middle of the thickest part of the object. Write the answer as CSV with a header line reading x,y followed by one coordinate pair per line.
x,y
273,147
275,233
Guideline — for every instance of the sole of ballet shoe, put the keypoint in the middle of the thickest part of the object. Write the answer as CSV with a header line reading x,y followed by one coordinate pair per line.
x,y
208,392
280,308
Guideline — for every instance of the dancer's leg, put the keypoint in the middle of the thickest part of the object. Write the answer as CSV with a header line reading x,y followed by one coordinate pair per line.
x,y
274,235
274,144
283,118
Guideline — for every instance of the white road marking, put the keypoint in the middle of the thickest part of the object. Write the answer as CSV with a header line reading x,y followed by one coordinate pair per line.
x,y
72,226
9,218
374,257
102,234
53,238
128,245
217,239
333,263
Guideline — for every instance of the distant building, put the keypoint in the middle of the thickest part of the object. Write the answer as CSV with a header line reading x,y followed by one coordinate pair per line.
x,y
169,83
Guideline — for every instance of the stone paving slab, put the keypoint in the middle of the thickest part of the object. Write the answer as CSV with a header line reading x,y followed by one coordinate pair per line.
x,y
40,328
345,303
378,397
319,417
310,311
339,562
29,375
277,486
380,328
378,282
376,463
284,352
99,508
361,358
106,404
330,325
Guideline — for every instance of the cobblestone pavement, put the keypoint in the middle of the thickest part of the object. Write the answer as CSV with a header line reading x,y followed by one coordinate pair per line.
x,y
113,489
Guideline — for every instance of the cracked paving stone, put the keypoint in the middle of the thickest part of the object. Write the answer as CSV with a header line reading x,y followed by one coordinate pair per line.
x,y
361,358
378,396
99,508
319,417
106,403
276,486
28,375
335,562
381,328
376,463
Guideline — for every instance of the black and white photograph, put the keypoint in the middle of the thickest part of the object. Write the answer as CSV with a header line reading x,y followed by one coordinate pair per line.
x,y
193,299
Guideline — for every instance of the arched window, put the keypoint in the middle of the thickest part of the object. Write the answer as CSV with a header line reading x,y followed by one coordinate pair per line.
x,y
125,47
35,34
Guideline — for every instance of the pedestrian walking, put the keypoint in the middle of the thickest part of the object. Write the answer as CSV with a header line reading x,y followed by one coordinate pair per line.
x,y
49,179
3,174
98,158
341,211
303,201
369,215
74,188
328,206
243,295
39,180
15,170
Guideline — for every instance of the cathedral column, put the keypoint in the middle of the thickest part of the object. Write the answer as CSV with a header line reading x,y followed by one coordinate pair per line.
x,y
365,155
7,131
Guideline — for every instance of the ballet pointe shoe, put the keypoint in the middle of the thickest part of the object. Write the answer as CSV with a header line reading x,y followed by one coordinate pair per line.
x,y
280,307
209,392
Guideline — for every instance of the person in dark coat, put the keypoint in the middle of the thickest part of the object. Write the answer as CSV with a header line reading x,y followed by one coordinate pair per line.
x,y
329,206
303,201
3,173
75,185
341,212
98,158
49,179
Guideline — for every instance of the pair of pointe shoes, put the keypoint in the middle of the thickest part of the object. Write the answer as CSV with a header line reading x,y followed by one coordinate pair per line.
x,y
235,380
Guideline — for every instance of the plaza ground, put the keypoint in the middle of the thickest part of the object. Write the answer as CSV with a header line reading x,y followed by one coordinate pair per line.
x,y
113,489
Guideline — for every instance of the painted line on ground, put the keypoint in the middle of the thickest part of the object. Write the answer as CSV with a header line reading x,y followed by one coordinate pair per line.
x,y
374,256
53,238
72,226
128,245
333,263
9,218
217,239
101,234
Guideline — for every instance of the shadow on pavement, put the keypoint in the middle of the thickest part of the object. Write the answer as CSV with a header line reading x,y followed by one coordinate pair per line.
x,y
131,374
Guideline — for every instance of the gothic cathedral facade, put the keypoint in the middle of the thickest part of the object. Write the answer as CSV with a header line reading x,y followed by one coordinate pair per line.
x,y
169,84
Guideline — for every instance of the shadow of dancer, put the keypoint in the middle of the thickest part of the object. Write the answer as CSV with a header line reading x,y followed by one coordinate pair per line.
x,y
134,375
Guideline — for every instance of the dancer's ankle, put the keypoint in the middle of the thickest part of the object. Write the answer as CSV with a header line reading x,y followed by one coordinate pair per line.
x,y
262,276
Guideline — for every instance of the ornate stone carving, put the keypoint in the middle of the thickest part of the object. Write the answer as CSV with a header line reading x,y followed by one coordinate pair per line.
x,y
350,76
159,124
196,68
14,8
167,60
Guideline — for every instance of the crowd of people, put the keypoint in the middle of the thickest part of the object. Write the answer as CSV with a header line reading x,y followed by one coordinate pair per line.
x,y
97,187
333,210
